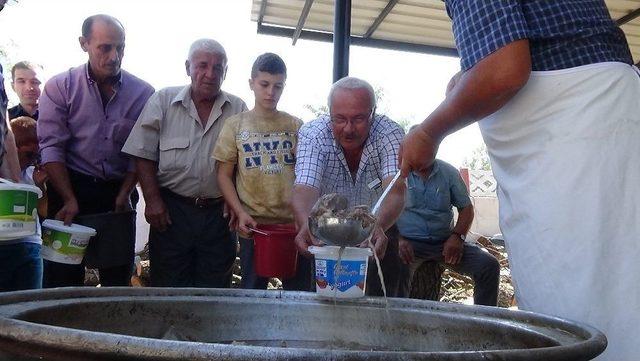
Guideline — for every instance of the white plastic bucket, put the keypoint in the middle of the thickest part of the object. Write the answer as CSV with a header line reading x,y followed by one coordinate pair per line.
x,y
351,277
64,244
18,209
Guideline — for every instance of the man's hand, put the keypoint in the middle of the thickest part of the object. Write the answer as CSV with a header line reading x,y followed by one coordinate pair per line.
x,y
245,221
405,250
453,249
123,202
304,239
156,214
40,177
68,211
379,242
417,151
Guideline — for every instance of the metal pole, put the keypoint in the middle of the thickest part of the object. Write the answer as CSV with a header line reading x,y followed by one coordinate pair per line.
x,y
341,39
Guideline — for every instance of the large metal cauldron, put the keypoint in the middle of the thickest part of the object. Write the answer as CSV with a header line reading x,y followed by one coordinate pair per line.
x,y
192,324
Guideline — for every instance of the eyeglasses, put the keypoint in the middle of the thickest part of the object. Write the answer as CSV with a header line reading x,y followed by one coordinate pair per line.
x,y
357,120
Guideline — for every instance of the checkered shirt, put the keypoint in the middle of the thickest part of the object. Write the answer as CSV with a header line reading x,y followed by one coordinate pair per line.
x,y
320,162
562,33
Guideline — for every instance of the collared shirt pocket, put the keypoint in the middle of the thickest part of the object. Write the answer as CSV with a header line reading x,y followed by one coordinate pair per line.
x,y
174,154
437,196
429,195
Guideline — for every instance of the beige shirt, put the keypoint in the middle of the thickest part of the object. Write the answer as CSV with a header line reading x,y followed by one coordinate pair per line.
x,y
168,132
263,148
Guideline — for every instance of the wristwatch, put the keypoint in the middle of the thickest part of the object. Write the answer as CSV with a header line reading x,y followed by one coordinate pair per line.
x,y
462,236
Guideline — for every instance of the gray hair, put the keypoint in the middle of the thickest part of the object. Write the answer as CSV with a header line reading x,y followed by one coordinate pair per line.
x,y
207,45
353,83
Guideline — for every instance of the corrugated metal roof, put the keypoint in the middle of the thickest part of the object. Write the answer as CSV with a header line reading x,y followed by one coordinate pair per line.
x,y
423,23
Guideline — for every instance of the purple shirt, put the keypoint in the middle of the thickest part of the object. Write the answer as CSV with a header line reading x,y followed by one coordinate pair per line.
x,y
76,129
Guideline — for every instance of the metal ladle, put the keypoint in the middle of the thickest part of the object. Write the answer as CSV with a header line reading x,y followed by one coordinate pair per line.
x,y
344,231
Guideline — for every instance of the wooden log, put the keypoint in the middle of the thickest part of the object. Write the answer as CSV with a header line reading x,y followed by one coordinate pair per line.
x,y
426,281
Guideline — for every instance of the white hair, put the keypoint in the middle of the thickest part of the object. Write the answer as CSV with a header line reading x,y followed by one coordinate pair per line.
x,y
206,45
353,83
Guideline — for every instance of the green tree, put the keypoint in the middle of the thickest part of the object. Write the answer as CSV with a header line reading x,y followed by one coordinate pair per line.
x,y
479,159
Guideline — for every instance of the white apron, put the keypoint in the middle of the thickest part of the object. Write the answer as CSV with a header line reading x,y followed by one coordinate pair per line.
x,y
566,154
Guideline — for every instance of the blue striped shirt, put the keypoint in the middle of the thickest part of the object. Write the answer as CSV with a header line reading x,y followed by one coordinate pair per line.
x,y
561,33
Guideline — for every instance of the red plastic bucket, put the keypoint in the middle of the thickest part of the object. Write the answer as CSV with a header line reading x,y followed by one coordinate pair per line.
x,y
275,254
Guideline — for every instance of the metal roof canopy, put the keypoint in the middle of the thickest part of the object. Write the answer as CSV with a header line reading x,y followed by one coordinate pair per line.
x,y
409,25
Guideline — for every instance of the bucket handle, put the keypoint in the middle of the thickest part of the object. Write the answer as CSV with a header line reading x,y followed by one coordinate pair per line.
x,y
258,231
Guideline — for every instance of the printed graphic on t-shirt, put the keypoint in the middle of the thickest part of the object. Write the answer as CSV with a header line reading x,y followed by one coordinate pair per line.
x,y
268,152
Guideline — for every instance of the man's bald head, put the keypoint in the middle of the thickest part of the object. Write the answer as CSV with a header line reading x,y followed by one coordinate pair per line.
x,y
87,25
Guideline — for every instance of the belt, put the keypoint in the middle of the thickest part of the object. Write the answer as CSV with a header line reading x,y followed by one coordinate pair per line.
x,y
76,176
198,202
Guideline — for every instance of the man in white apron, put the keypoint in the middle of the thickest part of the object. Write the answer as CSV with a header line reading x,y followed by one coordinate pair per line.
x,y
559,102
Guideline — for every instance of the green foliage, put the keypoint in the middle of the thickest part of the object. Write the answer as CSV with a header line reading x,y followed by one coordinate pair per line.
x,y
479,159
322,109
405,124
317,110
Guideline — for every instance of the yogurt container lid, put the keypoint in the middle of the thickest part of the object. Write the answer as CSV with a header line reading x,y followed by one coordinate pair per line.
x,y
333,251
8,185
73,228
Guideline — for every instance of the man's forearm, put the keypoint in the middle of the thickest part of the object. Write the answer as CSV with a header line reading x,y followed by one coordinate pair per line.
x,y
482,90
147,171
10,163
302,201
59,178
393,205
129,182
465,218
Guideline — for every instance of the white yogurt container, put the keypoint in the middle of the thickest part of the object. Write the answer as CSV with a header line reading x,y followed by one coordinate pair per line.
x,y
18,210
349,281
64,244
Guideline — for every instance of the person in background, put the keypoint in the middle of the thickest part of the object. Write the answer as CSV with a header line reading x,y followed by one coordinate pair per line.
x,y
20,259
26,84
256,158
190,244
86,114
554,87
427,232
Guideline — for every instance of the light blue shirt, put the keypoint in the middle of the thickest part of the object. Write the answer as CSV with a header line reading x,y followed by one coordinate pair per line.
x,y
428,211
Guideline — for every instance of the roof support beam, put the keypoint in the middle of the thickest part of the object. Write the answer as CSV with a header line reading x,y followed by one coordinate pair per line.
x,y
630,16
372,43
263,8
302,19
387,9
341,39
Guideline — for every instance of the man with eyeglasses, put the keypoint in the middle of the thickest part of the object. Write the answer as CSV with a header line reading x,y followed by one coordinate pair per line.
x,y
353,152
